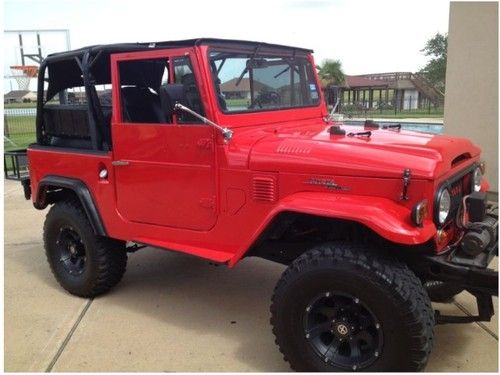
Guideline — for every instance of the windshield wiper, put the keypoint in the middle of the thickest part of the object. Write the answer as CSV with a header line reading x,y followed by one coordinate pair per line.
x,y
367,134
226,132
249,63
390,127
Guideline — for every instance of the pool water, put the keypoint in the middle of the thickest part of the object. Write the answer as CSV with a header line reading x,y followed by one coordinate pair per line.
x,y
413,126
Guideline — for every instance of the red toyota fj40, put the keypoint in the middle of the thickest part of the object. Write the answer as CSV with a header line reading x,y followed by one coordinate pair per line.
x,y
225,149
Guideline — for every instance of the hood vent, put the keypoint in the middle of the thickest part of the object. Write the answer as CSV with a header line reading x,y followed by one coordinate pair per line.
x,y
460,158
264,188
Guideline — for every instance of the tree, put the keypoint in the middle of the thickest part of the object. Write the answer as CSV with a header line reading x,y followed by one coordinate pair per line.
x,y
330,72
435,70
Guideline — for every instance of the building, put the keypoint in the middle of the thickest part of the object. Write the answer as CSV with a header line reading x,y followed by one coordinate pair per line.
x,y
471,106
400,90
19,96
231,90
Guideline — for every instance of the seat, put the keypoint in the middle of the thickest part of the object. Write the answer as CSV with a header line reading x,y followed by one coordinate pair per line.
x,y
141,105
169,95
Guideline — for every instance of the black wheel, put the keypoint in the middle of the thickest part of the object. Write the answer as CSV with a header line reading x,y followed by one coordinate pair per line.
x,y
84,264
343,307
442,292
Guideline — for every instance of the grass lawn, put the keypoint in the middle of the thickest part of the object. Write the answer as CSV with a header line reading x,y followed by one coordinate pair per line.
x,y
20,105
20,130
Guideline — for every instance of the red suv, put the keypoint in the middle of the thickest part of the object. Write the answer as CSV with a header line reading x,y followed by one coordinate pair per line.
x,y
224,149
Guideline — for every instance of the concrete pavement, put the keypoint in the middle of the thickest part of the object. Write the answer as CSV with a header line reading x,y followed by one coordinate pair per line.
x,y
171,312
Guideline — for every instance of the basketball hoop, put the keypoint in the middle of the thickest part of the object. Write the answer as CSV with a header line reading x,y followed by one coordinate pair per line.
x,y
23,75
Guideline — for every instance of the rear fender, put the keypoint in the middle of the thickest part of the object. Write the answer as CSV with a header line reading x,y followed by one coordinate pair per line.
x,y
385,217
48,183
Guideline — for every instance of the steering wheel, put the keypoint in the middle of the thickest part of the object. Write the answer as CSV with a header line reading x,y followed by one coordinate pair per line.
x,y
271,97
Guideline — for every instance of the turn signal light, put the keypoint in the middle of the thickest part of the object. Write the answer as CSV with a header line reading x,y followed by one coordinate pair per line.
x,y
441,237
482,167
419,213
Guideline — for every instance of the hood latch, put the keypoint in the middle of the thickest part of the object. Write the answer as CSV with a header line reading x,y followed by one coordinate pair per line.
x,y
406,183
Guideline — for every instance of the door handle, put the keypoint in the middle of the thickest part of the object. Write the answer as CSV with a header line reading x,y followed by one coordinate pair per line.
x,y
119,163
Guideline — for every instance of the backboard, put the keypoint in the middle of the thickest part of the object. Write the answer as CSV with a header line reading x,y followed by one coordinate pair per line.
x,y
27,48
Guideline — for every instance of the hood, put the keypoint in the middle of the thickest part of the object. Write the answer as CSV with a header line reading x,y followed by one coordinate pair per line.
x,y
386,153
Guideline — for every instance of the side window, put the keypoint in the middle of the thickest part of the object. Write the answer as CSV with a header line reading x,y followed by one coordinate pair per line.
x,y
140,83
183,74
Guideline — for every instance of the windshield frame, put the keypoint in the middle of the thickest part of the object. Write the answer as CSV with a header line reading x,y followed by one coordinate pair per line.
x,y
256,52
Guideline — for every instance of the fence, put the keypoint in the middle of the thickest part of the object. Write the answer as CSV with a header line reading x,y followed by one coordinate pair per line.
x,y
392,108
19,127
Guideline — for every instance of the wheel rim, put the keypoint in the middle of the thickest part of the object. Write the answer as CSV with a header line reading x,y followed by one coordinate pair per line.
x,y
72,252
342,330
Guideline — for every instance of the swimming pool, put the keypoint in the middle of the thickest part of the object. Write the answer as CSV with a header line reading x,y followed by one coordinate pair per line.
x,y
413,126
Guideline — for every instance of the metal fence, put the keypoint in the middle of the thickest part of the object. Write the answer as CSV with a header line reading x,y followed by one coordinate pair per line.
x,y
19,127
409,106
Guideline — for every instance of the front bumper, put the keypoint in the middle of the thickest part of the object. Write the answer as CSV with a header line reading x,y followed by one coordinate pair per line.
x,y
468,272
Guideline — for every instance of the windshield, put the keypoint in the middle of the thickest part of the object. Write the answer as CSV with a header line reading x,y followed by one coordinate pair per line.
x,y
249,82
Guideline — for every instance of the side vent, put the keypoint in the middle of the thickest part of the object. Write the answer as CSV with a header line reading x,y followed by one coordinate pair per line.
x,y
264,188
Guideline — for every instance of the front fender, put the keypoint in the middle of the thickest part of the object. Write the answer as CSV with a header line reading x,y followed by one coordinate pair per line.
x,y
384,216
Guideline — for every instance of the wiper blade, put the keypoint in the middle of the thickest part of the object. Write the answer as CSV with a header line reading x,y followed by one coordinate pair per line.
x,y
360,134
249,63
390,127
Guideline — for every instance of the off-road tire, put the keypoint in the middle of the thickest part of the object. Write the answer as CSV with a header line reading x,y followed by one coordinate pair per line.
x,y
105,258
442,292
385,285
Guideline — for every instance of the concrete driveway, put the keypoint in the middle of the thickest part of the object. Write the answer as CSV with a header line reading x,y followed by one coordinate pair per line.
x,y
171,312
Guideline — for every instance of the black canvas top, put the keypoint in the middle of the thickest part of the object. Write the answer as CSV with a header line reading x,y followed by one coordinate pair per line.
x,y
130,47
64,71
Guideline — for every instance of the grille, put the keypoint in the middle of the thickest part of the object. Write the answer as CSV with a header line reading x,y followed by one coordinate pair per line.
x,y
458,189
264,188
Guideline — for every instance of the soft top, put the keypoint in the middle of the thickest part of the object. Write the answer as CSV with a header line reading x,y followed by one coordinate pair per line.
x,y
65,70
131,47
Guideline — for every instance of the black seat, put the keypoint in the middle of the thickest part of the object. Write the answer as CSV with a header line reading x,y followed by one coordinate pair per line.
x,y
141,105
191,94
169,95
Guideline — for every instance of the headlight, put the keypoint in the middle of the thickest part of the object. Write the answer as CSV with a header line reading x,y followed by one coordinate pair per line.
x,y
444,204
477,177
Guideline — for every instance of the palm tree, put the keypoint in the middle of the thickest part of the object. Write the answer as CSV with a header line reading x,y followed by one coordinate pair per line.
x,y
330,72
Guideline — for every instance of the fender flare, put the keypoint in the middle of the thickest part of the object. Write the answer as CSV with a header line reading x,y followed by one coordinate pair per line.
x,y
82,192
385,217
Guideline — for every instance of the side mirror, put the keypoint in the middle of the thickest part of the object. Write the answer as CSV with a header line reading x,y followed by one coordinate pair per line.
x,y
169,95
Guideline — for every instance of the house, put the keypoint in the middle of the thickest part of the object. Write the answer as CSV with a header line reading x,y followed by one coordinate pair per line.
x,y
231,90
408,90
19,96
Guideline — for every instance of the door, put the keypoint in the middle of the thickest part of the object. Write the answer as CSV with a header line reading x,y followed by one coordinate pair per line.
x,y
164,164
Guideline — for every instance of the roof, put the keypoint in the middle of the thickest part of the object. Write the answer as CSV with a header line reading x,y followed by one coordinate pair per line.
x,y
358,81
130,47
244,85
16,94
64,70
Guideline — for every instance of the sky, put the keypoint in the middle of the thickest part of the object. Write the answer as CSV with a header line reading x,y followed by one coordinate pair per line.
x,y
366,36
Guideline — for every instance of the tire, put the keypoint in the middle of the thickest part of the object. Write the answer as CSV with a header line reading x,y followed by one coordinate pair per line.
x,y
352,282
83,263
442,292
